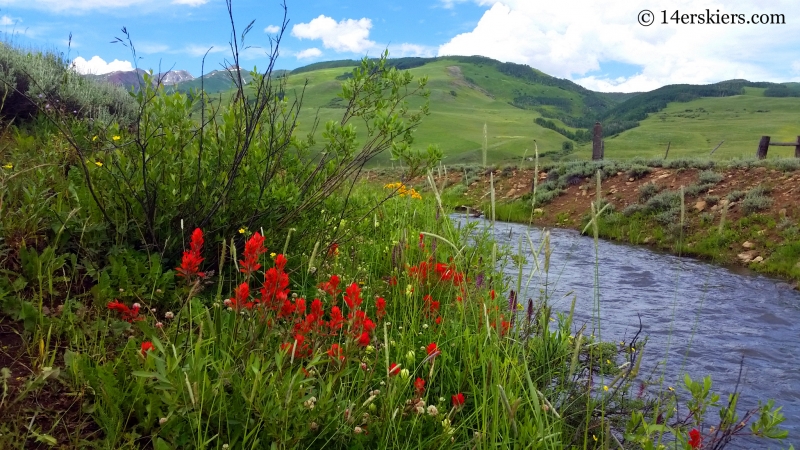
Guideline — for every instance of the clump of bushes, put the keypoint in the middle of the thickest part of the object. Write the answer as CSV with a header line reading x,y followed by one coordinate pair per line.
x,y
756,200
646,191
33,81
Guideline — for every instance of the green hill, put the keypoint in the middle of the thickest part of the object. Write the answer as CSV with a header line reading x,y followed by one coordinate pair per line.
x,y
519,104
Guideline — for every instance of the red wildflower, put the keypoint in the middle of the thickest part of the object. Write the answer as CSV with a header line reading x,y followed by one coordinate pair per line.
x,y
392,281
331,287
147,346
695,439
504,326
419,385
241,297
432,348
275,290
286,310
363,340
492,294
337,319
129,315
301,349
438,320
380,307
421,241
316,309
333,249
300,306
280,262
361,323
253,249
352,296
431,305
190,263
336,352
458,400
394,369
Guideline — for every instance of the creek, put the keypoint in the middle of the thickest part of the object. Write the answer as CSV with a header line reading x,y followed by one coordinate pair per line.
x,y
699,318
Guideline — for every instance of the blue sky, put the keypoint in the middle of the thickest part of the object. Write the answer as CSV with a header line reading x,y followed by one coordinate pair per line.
x,y
602,47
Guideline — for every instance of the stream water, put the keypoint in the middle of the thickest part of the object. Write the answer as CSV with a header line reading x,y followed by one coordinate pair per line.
x,y
701,318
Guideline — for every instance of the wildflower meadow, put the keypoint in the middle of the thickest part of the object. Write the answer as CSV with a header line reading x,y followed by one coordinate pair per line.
x,y
195,275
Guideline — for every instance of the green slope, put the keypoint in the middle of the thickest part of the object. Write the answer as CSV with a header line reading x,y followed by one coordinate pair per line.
x,y
694,128
468,92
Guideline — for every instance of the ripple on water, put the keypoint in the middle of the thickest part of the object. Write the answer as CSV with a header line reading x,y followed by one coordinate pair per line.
x,y
710,316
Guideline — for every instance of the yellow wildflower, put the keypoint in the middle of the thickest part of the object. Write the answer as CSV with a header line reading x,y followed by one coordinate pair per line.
x,y
273,255
94,139
98,163
242,230
8,166
116,138
605,388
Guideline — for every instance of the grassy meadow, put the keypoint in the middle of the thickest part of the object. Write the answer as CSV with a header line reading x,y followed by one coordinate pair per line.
x,y
694,128
171,284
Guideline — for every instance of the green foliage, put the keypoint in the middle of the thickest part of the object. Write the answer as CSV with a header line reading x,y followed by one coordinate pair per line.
x,y
709,177
36,81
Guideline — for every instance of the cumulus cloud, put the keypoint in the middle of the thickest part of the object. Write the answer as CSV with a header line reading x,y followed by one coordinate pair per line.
x,y
272,29
406,49
5,21
348,35
97,65
151,48
312,52
574,42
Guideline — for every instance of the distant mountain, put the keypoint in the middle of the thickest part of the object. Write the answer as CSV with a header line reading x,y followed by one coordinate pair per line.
x,y
130,79
174,77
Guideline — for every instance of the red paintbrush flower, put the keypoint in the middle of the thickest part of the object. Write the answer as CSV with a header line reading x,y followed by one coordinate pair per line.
x,y
129,315
458,400
363,340
432,348
190,262
336,352
419,385
695,439
352,296
147,346
253,249
394,369
380,307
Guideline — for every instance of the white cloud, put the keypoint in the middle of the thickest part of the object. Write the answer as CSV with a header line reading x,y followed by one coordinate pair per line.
x,y
796,67
5,21
200,50
312,52
272,29
406,49
190,2
348,35
96,65
449,4
573,42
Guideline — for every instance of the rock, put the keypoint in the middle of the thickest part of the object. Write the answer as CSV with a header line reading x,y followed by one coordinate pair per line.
x,y
758,259
631,179
700,205
723,202
715,207
511,192
647,240
747,256
748,244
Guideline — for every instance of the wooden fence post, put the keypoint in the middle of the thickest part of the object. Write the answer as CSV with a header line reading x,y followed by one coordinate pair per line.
x,y
667,152
797,148
597,142
763,146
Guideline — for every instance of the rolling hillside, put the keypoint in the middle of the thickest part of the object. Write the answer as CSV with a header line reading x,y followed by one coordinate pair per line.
x,y
519,105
